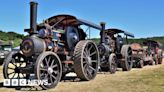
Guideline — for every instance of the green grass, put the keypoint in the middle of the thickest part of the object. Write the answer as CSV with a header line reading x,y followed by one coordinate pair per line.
x,y
17,42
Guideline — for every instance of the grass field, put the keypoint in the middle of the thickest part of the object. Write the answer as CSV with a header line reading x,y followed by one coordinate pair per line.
x,y
148,79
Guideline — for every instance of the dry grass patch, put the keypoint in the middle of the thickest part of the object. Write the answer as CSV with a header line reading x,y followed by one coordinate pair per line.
x,y
148,79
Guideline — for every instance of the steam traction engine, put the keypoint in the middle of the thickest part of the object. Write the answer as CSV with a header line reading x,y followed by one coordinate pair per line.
x,y
114,52
148,54
55,47
153,53
138,54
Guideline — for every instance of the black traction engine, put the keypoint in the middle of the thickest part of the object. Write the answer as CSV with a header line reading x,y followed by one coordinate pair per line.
x,y
52,49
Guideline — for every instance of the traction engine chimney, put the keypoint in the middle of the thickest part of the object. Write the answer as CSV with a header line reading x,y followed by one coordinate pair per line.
x,y
33,17
102,33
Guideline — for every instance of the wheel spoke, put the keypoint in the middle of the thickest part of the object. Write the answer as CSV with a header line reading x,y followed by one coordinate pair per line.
x,y
18,75
10,68
20,64
129,58
91,68
43,69
46,76
19,58
86,52
42,75
89,73
11,73
49,59
52,62
54,66
92,53
13,62
85,65
23,75
53,76
94,61
113,61
90,48
55,71
129,52
46,62
84,59
86,47
51,79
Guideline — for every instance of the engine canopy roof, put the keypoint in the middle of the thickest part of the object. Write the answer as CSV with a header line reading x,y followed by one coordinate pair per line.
x,y
152,42
116,31
69,20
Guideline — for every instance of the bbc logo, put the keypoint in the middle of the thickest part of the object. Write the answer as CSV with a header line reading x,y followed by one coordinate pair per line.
x,y
24,82
14,82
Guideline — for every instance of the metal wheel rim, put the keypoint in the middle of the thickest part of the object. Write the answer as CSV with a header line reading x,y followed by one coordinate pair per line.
x,y
49,70
90,57
13,68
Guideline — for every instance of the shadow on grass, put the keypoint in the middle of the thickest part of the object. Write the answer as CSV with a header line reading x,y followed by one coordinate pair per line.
x,y
71,79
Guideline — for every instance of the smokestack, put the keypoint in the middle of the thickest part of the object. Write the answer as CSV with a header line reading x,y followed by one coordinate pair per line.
x,y
33,17
102,33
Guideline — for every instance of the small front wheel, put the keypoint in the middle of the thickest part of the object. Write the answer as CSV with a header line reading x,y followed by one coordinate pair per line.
x,y
48,67
112,63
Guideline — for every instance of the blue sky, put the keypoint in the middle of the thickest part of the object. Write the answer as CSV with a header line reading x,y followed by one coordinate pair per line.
x,y
144,18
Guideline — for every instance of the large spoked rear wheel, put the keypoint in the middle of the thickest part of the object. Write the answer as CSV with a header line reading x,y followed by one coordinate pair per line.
x,y
12,66
127,61
86,58
48,67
